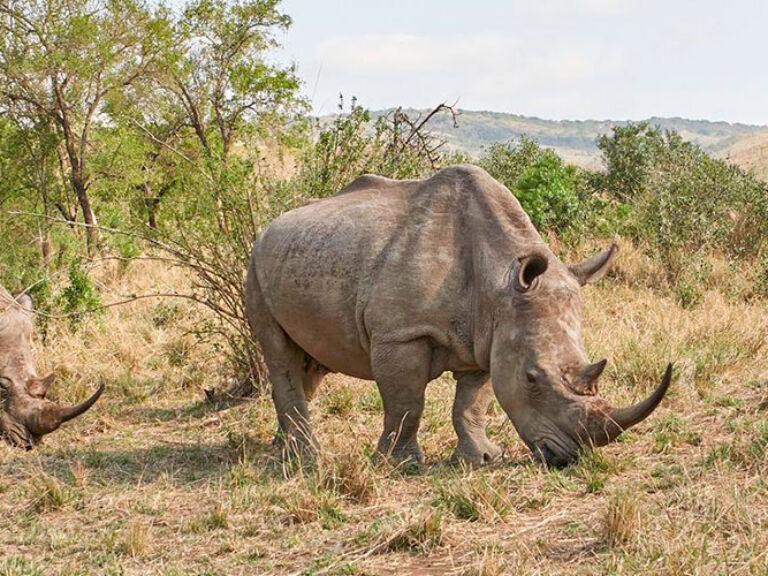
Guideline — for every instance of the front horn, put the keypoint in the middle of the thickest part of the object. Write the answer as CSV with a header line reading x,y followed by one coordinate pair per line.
x,y
607,426
53,416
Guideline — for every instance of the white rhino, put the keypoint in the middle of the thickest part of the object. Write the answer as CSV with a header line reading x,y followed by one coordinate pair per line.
x,y
400,281
26,415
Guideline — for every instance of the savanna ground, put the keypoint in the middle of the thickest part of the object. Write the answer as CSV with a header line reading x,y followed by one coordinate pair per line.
x,y
156,480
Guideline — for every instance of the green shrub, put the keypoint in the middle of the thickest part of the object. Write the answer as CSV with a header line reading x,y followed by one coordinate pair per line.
x,y
684,201
80,295
549,191
555,195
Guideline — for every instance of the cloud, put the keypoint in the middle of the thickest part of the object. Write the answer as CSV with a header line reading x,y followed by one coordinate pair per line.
x,y
601,6
551,58
559,9
487,60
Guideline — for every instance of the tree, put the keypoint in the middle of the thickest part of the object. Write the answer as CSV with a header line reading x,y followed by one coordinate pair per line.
x,y
60,60
216,102
140,154
30,176
220,79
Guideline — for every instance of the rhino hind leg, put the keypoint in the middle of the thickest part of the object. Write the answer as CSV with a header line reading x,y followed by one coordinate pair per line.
x,y
473,394
402,372
312,377
286,366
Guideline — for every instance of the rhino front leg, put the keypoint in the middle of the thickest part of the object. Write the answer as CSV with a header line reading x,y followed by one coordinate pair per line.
x,y
473,394
402,373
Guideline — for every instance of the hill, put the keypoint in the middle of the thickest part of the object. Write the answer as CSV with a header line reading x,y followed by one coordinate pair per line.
x,y
751,152
575,140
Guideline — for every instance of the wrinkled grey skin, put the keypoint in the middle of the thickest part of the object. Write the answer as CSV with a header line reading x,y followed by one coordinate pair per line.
x,y
400,281
26,415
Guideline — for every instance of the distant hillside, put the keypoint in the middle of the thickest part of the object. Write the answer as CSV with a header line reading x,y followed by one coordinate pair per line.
x,y
575,140
751,152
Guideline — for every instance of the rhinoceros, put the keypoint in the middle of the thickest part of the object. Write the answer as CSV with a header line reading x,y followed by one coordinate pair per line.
x,y
400,281
26,415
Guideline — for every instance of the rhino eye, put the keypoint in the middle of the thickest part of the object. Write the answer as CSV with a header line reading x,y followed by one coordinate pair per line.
x,y
530,375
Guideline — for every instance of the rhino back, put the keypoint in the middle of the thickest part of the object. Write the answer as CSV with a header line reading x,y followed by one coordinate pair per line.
x,y
386,260
313,263
15,334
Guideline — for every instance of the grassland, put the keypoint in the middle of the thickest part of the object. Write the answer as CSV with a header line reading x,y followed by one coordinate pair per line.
x,y
157,481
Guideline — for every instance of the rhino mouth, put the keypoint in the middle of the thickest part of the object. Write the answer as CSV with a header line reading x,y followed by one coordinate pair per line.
x,y
556,451
558,445
15,433
546,455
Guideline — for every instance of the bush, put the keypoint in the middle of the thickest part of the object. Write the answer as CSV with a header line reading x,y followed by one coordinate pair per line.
x,y
684,201
554,194
80,295
392,145
549,191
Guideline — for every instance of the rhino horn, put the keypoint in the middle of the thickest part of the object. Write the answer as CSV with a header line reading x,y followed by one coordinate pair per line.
x,y
38,387
586,381
594,268
613,421
52,416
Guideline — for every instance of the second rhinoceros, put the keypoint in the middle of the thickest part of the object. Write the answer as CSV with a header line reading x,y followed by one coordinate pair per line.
x,y
26,415
400,281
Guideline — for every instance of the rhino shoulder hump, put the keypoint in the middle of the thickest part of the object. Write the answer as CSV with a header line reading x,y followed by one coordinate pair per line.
x,y
465,171
365,182
472,177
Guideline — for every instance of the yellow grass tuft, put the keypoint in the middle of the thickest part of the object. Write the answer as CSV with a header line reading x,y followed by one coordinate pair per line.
x,y
415,533
621,522
134,540
48,493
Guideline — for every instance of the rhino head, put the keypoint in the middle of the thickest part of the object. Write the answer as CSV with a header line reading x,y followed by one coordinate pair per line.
x,y
26,414
540,371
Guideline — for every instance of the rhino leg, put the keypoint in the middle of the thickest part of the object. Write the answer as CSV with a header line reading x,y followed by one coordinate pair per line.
x,y
473,394
313,377
285,362
401,372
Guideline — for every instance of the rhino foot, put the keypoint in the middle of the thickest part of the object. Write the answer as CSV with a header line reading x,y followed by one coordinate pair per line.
x,y
409,456
296,447
410,452
476,453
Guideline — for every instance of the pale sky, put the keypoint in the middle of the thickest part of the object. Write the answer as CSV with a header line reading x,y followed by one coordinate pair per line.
x,y
556,59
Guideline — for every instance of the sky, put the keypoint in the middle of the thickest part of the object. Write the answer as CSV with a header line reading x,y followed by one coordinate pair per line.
x,y
555,59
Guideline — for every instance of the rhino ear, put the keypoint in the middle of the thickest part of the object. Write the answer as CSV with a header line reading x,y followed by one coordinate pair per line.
x,y
594,268
528,271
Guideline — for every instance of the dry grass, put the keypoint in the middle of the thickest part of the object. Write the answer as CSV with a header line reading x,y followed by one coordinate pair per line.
x,y
621,524
154,480
751,153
